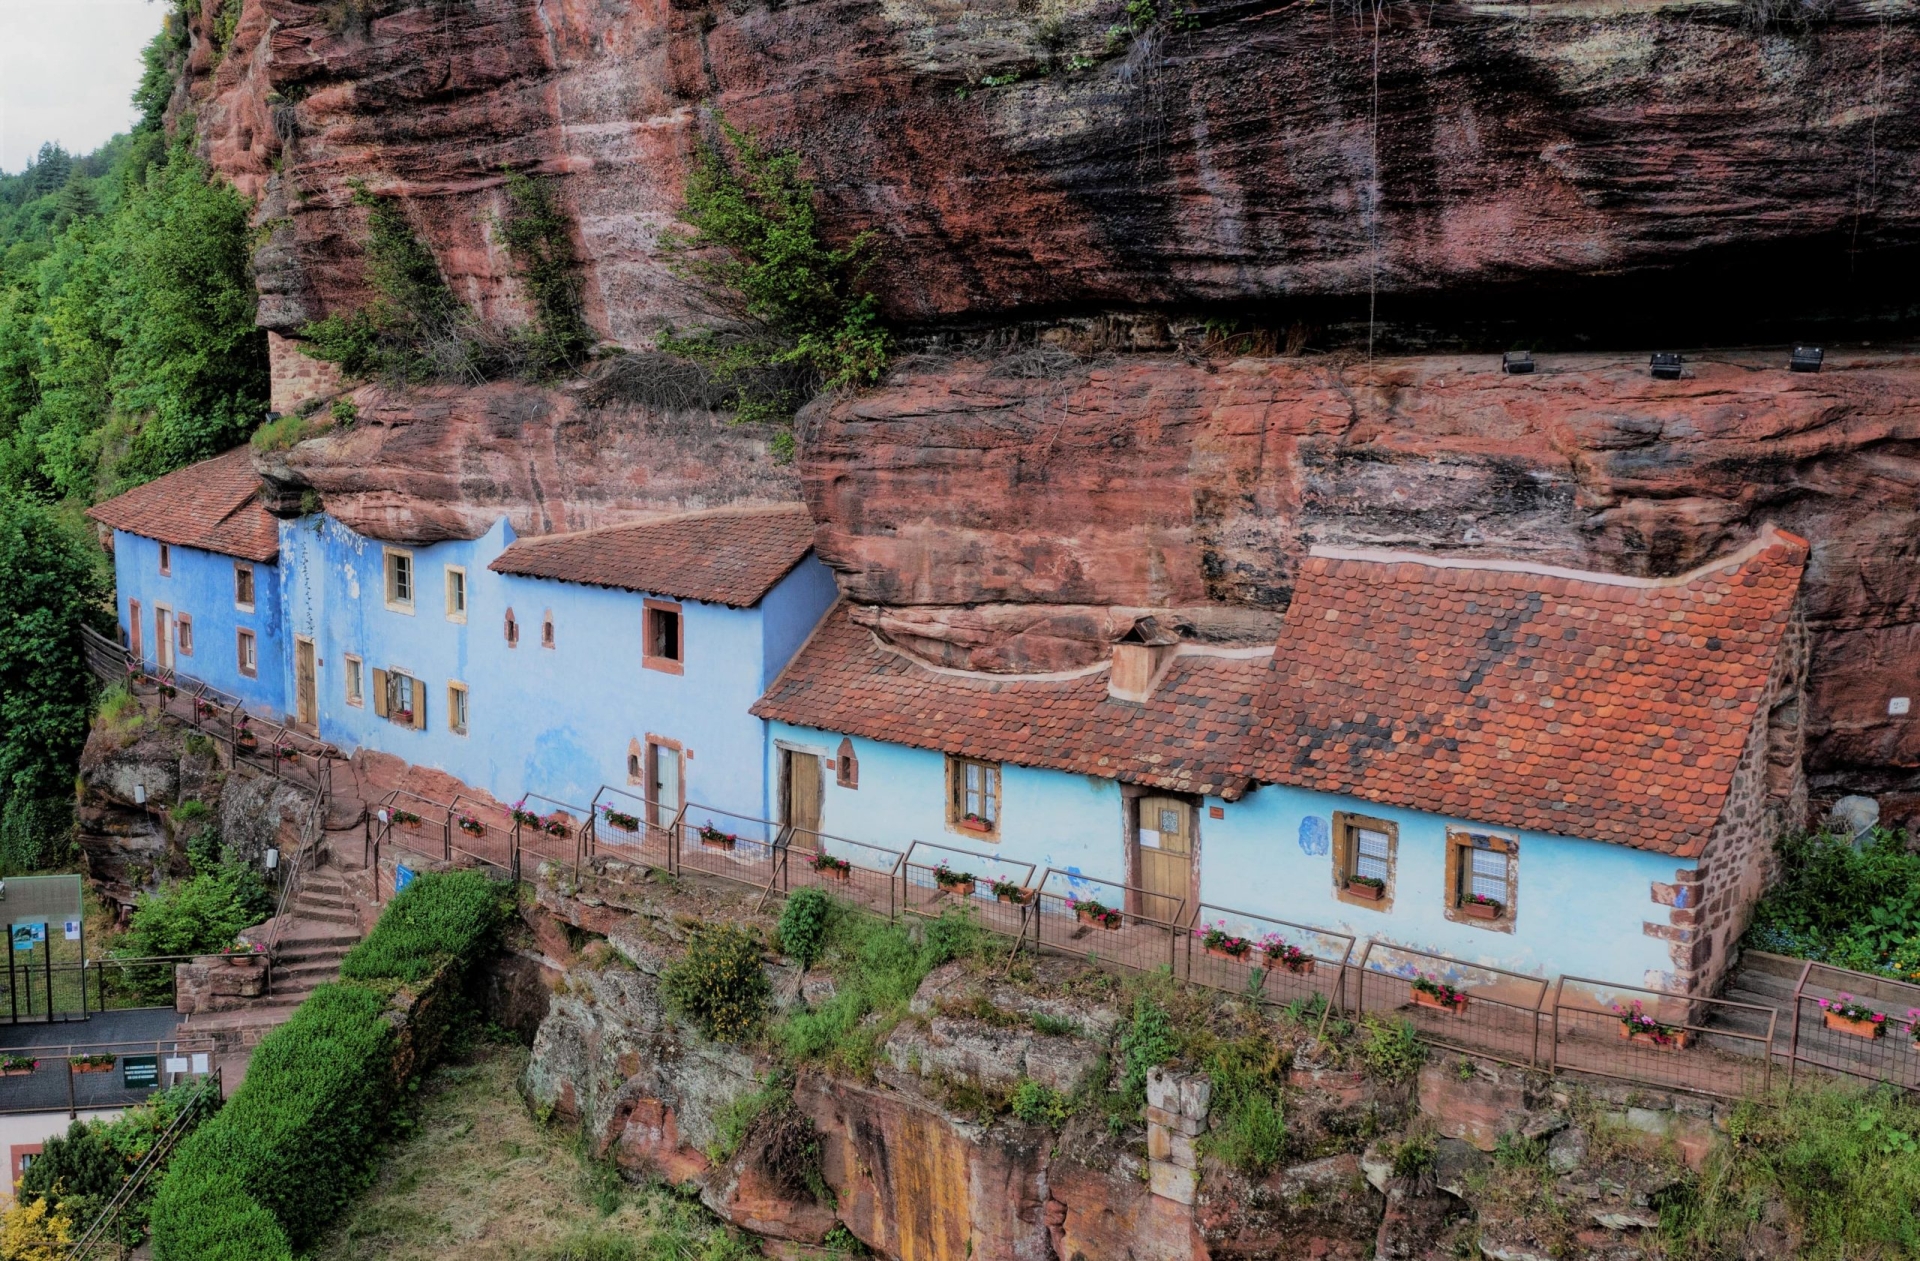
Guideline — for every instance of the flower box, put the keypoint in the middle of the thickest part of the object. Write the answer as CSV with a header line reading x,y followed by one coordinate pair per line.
x,y
959,888
1296,961
246,740
1221,952
1453,1007
289,754
1860,1028
1012,894
17,1065
1098,916
974,823
247,960
524,817
833,868
621,820
1366,889
406,819
712,837
555,827
1481,910
91,1063
1664,1038
472,826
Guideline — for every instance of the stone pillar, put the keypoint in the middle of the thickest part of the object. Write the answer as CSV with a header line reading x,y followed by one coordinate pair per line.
x,y
1176,1115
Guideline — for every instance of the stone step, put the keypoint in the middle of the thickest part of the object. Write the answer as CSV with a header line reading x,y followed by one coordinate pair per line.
x,y
327,916
321,902
315,937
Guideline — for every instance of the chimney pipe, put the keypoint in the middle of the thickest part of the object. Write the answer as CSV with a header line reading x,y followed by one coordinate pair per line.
x,y
1140,657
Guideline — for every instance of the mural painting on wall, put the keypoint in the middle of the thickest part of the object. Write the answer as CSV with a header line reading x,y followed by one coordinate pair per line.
x,y
1315,836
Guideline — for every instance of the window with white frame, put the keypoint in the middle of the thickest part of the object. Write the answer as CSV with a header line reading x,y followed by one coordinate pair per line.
x,y
456,594
457,708
399,580
356,694
247,650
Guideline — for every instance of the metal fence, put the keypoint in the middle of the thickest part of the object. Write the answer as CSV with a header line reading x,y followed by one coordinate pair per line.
x,y
1462,1006
117,1229
84,1076
1855,1024
1649,1036
1273,959
1107,920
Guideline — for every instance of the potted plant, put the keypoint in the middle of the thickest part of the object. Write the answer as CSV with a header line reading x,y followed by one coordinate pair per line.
x,y
958,883
404,717
621,819
1430,991
204,708
406,819
1372,888
522,815
1279,954
1221,944
1850,1016
17,1065
472,826
243,954
832,868
1012,892
167,692
101,1062
243,735
1092,912
288,753
1480,906
713,838
974,823
554,825
1637,1026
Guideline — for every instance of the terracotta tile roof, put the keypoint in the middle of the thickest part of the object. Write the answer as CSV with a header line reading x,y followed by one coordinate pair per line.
x,y
1188,737
214,505
1574,704
730,556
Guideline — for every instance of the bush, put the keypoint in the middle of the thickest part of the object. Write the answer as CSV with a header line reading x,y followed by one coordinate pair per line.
x,y
35,833
803,925
1249,1077
1391,1049
1037,1104
296,1142
1146,1044
440,916
199,915
718,984
1855,908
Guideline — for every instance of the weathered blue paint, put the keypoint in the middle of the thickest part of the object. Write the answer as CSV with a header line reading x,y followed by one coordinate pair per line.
x,y
1580,904
201,586
557,721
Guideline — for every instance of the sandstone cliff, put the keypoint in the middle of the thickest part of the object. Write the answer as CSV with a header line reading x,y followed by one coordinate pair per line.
x,y
1224,179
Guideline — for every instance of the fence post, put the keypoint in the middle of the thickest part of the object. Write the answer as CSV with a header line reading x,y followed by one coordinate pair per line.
x,y
1793,1034
1553,1047
1360,981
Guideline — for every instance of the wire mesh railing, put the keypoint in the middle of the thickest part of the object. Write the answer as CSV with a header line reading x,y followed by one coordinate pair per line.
x,y
725,844
935,877
1471,1007
1855,1024
867,873
1274,959
116,1230
1655,1037
1108,920
80,1076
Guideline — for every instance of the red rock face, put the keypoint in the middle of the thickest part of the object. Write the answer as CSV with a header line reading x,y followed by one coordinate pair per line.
x,y
1256,156
1148,481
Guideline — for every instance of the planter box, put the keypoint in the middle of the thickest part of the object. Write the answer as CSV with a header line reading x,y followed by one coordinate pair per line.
x,y
411,825
974,825
243,961
1480,910
1228,955
1022,898
1299,967
621,825
1367,892
1086,917
718,842
248,743
15,1072
962,889
94,1068
476,834
1423,999
842,874
1678,1040
1858,1028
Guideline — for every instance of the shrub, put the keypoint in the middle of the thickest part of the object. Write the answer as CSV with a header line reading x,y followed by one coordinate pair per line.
x,y
1249,1075
1037,1104
802,319
440,916
539,238
31,1231
1857,908
803,925
1147,1043
1391,1049
197,916
718,983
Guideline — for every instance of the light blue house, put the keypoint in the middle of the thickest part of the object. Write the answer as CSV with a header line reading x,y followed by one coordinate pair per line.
x,y
196,577
1534,769
628,656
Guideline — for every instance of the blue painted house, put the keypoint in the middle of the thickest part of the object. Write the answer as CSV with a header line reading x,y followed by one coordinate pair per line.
x,y
1535,769
627,656
197,579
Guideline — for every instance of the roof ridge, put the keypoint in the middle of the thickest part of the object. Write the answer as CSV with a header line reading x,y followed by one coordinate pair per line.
x,y
1770,535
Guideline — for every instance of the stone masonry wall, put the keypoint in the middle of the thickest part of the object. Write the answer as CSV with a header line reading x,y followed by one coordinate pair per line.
x,y
297,378
1708,906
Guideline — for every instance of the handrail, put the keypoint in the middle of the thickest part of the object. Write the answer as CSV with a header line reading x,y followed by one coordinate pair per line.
x,y
309,838
162,1149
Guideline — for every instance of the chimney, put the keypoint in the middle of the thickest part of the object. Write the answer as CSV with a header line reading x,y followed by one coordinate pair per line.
x,y
1139,658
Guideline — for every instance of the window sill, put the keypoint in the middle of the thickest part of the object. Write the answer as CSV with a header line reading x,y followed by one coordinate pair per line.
x,y
399,608
243,608
458,619
665,665
1383,904
1504,924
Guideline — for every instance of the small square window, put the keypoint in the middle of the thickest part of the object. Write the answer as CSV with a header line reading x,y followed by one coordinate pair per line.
x,y
665,638
456,594
512,630
399,580
243,587
1483,875
457,708
184,626
973,796
249,660
166,560
1365,852
356,696
546,629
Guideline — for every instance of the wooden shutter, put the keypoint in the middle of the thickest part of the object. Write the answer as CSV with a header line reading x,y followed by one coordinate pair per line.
x,y
380,693
419,704
1342,847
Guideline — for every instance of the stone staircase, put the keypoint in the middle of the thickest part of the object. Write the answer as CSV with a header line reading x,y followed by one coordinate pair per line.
x,y
321,927
1768,981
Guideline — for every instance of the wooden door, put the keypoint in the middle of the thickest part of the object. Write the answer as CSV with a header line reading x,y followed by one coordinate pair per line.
x,y
1163,866
800,778
305,683
133,633
663,782
163,637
